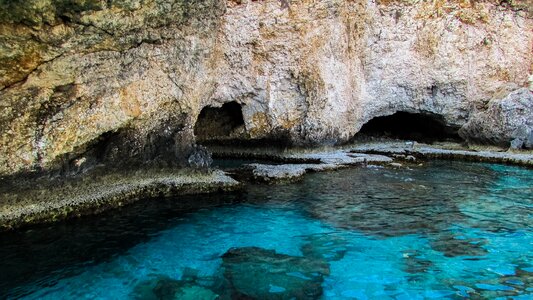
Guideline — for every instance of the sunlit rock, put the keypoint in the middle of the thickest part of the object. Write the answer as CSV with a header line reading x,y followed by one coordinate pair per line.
x,y
127,81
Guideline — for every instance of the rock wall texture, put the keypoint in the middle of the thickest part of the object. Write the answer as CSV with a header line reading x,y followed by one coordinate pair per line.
x,y
94,81
504,120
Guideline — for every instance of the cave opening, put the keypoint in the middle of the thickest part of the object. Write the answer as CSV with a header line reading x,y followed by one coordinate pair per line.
x,y
217,124
420,127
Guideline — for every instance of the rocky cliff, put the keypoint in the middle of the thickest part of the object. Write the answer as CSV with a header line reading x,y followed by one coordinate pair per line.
x,y
84,82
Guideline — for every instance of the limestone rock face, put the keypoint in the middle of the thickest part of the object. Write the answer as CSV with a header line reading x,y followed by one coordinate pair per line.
x,y
505,121
111,80
93,81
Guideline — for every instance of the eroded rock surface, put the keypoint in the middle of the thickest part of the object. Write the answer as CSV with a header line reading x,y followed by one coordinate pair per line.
x,y
44,200
106,81
427,151
124,81
507,120
326,161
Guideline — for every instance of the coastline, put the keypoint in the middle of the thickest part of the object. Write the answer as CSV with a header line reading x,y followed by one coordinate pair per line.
x,y
23,205
37,201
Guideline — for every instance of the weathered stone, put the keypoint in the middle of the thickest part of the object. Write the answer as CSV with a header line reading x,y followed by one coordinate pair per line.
x,y
517,144
427,151
410,158
528,143
27,202
507,121
200,158
73,73
76,72
326,161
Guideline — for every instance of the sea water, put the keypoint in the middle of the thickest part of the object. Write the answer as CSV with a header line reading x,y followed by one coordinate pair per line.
x,y
443,230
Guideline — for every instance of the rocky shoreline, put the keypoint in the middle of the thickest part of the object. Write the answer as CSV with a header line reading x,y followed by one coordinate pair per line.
x,y
521,158
37,201
46,200
114,101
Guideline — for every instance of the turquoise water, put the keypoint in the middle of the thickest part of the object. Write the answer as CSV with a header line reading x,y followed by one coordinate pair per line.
x,y
446,230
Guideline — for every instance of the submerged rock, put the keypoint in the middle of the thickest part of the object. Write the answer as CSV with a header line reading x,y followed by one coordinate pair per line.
x,y
326,247
415,263
165,288
452,246
259,273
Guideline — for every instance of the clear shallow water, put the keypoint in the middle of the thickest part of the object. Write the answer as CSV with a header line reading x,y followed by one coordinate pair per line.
x,y
446,230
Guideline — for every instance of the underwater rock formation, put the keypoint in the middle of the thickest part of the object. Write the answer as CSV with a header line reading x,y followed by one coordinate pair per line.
x,y
164,288
256,273
124,81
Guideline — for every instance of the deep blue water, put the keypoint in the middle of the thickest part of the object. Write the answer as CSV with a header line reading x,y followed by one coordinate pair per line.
x,y
448,230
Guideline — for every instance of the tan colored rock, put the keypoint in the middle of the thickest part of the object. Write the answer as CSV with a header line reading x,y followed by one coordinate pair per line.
x,y
134,72
327,67
114,80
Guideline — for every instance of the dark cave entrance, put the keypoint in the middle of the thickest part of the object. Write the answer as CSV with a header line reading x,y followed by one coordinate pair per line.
x,y
220,123
421,127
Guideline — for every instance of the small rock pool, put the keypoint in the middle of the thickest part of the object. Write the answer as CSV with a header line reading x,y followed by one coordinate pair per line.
x,y
446,229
